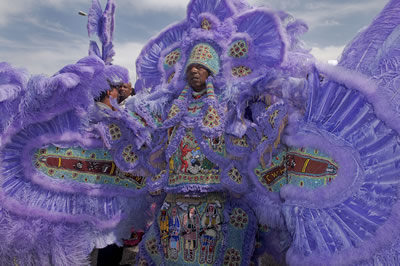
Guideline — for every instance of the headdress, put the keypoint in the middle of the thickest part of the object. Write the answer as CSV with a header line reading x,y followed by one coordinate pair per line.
x,y
246,41
204,54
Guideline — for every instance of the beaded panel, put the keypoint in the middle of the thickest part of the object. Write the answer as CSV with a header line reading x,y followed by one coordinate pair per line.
x,y
191,229
310,168
93,166
173,111
188,165
211,119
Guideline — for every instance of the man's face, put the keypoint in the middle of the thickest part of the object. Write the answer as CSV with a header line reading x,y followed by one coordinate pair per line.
x,y
126,90
197,76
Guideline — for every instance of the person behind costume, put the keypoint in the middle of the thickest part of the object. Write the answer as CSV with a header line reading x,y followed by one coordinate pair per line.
x,y
105,98
112,254
126,92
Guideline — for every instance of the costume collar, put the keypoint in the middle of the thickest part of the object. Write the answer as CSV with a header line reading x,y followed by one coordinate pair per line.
x,y
198,95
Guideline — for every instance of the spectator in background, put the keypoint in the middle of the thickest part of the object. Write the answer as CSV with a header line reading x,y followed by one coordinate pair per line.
x,y
125,93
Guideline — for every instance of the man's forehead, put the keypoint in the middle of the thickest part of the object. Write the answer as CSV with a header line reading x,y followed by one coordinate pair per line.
x,y
196,66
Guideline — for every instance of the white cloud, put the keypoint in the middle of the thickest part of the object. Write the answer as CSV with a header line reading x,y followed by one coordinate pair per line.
x,y
126,54
21,9
324,54
12,10
323,13
45,59
165,6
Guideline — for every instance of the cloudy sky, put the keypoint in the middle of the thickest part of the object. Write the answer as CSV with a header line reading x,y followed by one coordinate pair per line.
x,y
44,35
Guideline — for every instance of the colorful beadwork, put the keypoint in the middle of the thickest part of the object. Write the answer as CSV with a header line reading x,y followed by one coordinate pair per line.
x,y
232,257
172,58
240,141
173,111
86,166
189,165
211,119
272,117
205,24
157,177
171,77
238,49
210,178
274,176
205,55
151,246
115,131
192,232
128,155
138,118
241,71
310,168
142,262
217,144
195,108
235,175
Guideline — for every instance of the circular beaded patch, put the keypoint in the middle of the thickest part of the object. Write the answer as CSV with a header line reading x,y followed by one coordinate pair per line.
x,y
171,59
128,155
235,175
238,49
241,71
238,218
115,131
205,24
232,257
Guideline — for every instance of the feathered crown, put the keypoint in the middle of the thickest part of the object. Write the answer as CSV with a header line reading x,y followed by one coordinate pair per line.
x,y
247,41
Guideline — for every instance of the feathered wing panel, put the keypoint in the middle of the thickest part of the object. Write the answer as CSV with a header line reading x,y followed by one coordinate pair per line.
x,y
364,53
12,86
354,218
149,66
258,43
56,174
220,8
375,52
263,27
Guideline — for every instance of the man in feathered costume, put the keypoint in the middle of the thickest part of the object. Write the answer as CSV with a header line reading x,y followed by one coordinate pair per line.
x,y
236,137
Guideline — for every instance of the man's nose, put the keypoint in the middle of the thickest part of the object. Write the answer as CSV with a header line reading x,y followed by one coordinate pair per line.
x,y
193,69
